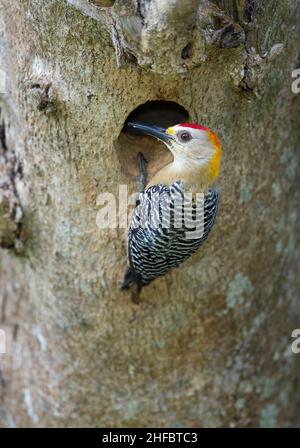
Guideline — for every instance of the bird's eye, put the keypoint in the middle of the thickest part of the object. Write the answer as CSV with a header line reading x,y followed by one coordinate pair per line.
x,y
184,136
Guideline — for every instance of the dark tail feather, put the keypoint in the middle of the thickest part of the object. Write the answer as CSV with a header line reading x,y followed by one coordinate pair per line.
x,y
128,280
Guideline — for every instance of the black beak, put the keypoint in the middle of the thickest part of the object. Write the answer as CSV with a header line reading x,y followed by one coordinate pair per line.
x,y
148,129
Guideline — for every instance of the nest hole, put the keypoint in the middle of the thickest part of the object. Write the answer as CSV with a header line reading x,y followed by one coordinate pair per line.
x,y
160,113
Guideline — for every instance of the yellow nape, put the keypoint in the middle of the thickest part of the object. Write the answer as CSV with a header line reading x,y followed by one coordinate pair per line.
x,y
214,164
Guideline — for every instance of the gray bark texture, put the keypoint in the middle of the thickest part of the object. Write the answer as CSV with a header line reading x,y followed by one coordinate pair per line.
x,y
210,343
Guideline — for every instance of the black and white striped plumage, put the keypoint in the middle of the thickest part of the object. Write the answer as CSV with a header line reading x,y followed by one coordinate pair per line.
x,y
157,239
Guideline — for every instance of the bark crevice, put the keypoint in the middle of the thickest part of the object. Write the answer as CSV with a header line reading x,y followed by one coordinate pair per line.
x,y
11,210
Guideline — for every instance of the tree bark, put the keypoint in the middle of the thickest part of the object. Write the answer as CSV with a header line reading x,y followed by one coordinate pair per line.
x,y
210,343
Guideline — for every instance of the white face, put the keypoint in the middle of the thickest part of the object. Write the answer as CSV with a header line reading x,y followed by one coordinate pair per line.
x,y
190,143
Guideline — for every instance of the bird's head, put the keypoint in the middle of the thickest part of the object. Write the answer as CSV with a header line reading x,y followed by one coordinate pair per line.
x,y
192,145
193,142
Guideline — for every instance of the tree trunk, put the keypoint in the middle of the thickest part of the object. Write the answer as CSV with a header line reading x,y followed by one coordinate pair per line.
x,y
209,344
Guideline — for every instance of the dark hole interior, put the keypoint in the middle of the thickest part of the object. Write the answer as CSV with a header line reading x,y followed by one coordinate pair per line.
x,y
161,113
128,145
187,51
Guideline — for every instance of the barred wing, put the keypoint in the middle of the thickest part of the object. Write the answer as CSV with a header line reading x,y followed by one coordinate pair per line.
x,y
167,228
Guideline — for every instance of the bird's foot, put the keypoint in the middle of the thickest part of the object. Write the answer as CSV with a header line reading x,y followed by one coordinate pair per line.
x,y
142,178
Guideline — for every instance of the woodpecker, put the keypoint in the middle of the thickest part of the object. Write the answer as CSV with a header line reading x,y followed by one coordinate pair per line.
x,y
158,232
